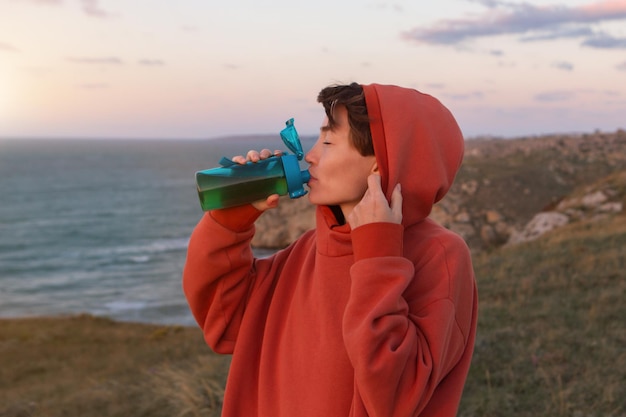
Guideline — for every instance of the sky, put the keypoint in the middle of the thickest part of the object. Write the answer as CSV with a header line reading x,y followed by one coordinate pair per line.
x,y
207,68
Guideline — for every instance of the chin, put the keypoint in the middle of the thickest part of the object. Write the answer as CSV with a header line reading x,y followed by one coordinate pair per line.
x,y
314,199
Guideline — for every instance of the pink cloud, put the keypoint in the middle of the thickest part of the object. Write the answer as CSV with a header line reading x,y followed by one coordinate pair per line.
x,y
533,22
46,1
603,8
109,60
92,8
5,47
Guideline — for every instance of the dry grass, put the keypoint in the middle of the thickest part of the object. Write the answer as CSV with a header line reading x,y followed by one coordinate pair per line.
x,y
86,366
551,342
552,333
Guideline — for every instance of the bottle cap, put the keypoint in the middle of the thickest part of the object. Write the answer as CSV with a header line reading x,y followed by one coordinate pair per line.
x,y
290,137
295,177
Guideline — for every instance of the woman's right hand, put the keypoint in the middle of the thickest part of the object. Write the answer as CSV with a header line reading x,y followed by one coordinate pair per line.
x,y
256,156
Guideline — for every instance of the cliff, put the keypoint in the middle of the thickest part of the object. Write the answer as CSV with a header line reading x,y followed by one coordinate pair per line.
x,y
507,191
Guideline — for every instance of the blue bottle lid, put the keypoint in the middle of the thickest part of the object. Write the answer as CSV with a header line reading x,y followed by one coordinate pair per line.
x,y
290,137
295,177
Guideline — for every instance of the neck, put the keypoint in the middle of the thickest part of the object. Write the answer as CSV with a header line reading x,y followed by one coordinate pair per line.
x,y
341,220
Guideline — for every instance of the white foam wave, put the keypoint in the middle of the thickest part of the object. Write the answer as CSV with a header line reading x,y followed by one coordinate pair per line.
x,y
142,259
119,306
140,253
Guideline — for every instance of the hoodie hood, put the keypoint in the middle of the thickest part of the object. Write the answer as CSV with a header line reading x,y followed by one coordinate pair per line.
x,y
417,143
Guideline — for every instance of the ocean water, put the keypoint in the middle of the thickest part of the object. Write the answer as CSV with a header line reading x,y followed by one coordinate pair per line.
x,y
102,226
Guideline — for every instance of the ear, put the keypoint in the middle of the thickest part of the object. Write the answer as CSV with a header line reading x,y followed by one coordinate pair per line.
x,y
374,169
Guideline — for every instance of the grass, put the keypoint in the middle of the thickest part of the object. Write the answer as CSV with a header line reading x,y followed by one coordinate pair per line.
x,y
551,342
87,366
552,336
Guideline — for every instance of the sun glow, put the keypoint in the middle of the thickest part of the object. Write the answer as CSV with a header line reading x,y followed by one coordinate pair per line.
x,y
131,69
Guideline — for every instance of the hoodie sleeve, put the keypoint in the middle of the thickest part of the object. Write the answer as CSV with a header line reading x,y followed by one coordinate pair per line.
x,y
400,324
219,274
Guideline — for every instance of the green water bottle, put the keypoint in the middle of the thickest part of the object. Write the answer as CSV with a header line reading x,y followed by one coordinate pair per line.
x,y
235,184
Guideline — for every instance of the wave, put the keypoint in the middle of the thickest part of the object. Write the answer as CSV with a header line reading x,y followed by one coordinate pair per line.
x,y
137,253
119,306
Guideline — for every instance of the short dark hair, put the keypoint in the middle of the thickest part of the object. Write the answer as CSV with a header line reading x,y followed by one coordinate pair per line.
x,y
353,98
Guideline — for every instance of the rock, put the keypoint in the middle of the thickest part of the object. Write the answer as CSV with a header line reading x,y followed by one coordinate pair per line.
x,y
614,207
590,204
503,230
279,227
463,217
540,224
492,217
488,235
440,215
594,199
466,231
469,187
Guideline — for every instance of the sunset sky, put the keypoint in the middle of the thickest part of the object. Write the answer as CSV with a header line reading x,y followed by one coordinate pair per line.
x,y
205,68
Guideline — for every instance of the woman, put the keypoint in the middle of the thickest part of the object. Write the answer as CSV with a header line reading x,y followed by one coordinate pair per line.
x,y
372,313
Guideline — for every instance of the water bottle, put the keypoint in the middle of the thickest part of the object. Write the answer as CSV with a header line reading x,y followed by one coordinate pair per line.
x,y
235,184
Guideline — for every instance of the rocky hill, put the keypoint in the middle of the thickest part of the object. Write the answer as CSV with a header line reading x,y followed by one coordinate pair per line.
x,y
507,191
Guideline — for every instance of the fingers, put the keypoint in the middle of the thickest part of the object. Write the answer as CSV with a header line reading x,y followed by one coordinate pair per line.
x,y
390,211
396,203
269,203
239,159
374,185
256,156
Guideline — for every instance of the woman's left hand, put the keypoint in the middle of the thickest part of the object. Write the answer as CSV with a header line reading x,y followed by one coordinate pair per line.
x,y
373,207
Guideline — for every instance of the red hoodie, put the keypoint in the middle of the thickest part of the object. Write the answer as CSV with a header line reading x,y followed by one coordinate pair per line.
x,y
376,321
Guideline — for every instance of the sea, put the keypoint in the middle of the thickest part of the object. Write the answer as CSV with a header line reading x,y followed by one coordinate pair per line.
x,y
101,227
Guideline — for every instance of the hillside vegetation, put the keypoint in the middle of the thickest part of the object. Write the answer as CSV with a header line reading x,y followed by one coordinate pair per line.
x,y
500,187
551,333
503,184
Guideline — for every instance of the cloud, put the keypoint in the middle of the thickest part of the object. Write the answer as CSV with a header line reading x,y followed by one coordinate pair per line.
x,y
562,65
603,40
89,7
552,96
93,86
92,8
579,93
151,62
530,22
465,96
6,47
52,2
558,33
111,60
621,66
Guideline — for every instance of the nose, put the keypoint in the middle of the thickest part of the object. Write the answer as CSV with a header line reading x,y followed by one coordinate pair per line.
x,y
310,156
